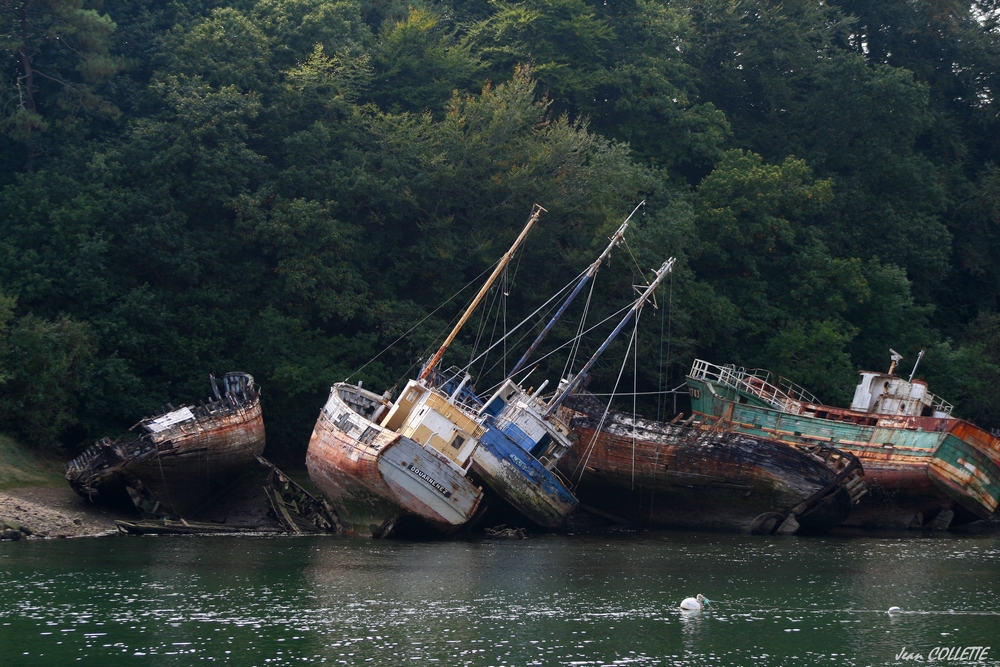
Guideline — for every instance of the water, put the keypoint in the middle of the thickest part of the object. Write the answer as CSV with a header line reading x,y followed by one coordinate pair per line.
x,y
552,600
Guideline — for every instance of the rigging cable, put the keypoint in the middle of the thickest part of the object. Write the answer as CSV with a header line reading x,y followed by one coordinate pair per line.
x,y
635,387
571,357
571,341
581,466
426,317
548,304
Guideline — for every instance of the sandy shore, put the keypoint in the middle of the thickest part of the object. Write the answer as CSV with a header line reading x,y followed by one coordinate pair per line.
x,y
56,512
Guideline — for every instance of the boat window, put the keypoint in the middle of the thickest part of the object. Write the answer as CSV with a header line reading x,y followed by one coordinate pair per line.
x,y
457,442
540,448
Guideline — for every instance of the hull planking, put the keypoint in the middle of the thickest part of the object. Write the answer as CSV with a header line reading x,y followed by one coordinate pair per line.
x,y
672,476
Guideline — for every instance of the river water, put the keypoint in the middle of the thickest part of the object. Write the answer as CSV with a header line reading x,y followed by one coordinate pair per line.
x,y
549,600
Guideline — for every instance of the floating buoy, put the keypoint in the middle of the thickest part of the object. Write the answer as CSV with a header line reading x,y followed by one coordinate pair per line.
x,y
694,604
894,610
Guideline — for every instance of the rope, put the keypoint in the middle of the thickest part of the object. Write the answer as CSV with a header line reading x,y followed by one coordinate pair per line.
x,y
548,304
638,269
546,356
635,380
571,357
426,317
590,447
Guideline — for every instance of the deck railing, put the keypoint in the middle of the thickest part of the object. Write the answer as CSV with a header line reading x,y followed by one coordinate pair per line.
x,y
757,382
938,404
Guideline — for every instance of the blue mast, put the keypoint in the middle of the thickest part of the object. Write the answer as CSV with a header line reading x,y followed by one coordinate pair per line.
x,y
639,303
616,240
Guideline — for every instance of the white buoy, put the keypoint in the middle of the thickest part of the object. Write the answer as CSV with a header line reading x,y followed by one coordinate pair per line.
x,y
693,604
894,610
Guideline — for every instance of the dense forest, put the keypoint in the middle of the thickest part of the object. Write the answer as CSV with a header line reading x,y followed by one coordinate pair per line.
x,y
287,187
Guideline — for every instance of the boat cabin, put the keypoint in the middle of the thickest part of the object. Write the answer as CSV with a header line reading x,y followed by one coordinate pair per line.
x,y
430,417
882,393
518,414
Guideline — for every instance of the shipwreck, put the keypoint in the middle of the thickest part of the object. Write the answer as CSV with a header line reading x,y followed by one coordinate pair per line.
x,y
679,475
181,459
924,467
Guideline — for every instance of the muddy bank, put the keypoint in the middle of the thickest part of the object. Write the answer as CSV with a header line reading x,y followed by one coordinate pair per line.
x,y
35,512
43,511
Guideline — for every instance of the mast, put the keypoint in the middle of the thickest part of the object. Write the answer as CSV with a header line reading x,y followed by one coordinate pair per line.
x,y
639,303
535,213
616,239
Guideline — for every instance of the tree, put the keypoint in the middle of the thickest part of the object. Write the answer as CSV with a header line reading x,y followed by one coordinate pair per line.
x,y
48,365
564,41
60,48
760,249
650,96
419,62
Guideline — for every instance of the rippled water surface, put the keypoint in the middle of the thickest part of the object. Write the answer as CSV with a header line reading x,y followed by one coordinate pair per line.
x,y
549,600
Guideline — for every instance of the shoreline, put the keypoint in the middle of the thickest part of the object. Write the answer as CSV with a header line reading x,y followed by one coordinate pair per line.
x,y
49,512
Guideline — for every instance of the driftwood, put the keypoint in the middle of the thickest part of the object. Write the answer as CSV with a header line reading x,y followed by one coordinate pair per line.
x,y
295,510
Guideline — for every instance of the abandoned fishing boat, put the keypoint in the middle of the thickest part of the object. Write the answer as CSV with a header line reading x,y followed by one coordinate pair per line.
x,y
923,467
391,474
676,475
182,457
524,437
536,436
394,468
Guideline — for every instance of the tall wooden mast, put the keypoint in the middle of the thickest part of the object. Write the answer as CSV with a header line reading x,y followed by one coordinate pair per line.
x,y
535,213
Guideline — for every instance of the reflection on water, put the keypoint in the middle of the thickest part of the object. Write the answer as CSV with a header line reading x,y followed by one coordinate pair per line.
x,y
552,600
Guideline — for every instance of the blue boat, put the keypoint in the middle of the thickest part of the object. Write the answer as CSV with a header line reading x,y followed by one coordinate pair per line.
x,y
523,437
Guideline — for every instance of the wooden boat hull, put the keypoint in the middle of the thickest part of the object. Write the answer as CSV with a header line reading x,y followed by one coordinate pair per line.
x,y
659,475
917,467
521,480
376,478
176,466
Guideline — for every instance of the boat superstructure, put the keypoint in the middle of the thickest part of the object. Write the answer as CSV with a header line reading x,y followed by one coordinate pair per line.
x,y
920,462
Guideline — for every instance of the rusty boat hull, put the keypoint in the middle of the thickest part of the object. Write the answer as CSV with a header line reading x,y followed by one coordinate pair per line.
x,y
183,457
921,471
673,476
379,481
521,480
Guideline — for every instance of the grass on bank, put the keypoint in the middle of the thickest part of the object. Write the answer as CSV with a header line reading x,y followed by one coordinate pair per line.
x,y
20,466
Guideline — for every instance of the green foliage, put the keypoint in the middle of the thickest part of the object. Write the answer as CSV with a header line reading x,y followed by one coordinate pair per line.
x,y
224,49
419,63
48,364
759,243
564,40
295,27
54,51
287,187
651,93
